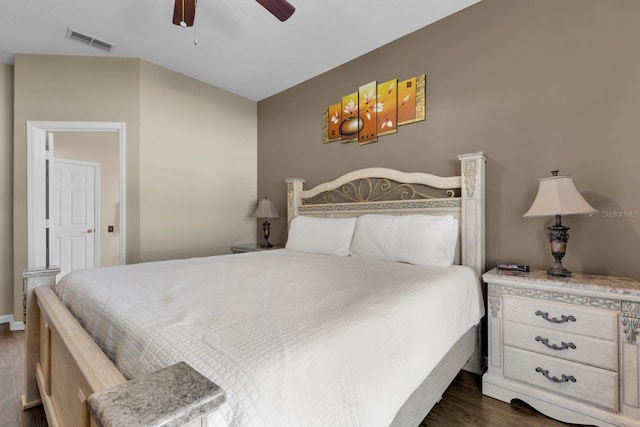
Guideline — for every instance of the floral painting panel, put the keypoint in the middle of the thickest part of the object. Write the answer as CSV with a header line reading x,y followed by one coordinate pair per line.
x,y
332,120
406,101
368,112
350,122
325,125
388,99
411,100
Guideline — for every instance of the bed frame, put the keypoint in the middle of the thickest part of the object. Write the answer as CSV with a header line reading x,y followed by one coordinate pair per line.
x,y
387,191
64,366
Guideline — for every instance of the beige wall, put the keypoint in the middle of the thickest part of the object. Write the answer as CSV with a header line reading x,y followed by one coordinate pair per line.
x,y
198,162
6,182
73,88
537,85
198,142
101,148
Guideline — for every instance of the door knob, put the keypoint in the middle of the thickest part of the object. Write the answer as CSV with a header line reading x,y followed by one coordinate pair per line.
x,y
89,230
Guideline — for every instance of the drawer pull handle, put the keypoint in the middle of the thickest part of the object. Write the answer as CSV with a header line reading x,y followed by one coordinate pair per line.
x,y
563,345
563,318
564,379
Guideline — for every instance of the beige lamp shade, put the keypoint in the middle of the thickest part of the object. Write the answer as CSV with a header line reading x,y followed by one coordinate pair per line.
x,y
265,209
558,195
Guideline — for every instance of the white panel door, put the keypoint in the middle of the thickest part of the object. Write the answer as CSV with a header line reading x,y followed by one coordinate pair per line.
x,y
73,214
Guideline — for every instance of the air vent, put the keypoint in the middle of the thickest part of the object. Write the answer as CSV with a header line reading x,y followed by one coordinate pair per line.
x,y
91,41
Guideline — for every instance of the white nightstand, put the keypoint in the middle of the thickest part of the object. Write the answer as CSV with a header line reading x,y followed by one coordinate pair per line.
x,y
240,249
569,347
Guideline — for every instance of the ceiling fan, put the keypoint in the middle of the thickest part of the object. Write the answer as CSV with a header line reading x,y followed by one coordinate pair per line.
x,y
184,11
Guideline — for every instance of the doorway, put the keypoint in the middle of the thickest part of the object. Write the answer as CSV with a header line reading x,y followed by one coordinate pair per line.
x,y
40,154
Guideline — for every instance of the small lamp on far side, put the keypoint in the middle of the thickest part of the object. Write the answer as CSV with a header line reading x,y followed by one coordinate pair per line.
x,y
557,195
267,211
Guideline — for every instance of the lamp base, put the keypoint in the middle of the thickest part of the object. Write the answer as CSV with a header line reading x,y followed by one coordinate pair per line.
x,y
558,272
265,228
558,238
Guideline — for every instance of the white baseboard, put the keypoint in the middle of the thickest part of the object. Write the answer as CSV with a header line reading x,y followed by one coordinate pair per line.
x,y
13,325
17,326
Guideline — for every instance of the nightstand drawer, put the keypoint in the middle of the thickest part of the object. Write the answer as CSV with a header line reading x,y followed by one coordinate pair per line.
x,y
591,322
597,386
564,345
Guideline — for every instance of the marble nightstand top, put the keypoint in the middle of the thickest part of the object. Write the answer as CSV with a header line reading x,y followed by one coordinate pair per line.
x,y
588,282
171,396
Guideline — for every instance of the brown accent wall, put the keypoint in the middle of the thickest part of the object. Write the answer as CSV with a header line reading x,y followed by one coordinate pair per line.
x,y
537,85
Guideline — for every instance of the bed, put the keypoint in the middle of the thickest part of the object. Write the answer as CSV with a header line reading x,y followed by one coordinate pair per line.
x,y
299,336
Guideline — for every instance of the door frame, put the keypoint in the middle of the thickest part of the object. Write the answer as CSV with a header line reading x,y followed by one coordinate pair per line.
x,y
96,205
36,186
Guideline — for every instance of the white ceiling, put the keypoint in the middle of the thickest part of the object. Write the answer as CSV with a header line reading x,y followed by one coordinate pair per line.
x,y
241,47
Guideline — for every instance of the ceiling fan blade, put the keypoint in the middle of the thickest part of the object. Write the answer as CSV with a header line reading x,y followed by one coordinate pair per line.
x,y
184,11
281,9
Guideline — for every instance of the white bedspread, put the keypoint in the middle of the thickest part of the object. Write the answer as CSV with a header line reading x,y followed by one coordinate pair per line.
x,y
293,339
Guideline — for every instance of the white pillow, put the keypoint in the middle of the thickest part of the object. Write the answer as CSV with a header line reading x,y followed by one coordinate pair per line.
x,y
328,236
414,239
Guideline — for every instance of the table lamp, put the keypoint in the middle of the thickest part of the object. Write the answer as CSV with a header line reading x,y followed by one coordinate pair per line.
x,y
558,196
266,210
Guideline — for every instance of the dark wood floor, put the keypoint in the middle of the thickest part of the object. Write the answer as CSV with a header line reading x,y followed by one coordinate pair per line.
x,y
463,403
11,382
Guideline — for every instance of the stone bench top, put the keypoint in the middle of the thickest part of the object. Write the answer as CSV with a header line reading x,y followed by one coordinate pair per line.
x,y
172,396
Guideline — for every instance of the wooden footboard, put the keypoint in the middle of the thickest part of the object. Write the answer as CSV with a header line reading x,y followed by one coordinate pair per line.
x,y
67,370
80,367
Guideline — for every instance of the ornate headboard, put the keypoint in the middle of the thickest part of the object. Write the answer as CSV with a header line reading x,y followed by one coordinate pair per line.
x,y
387,191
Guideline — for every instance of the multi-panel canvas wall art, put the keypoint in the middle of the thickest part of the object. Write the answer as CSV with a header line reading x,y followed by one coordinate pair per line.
x,y
377,109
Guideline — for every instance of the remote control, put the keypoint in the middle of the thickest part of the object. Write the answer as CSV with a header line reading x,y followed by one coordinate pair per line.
x,y
513,267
